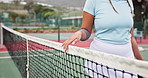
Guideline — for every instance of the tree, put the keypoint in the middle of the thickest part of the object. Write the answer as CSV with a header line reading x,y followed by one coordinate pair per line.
x,y
37,9
42,11
22,17
13,16
48,14
16,2
29,5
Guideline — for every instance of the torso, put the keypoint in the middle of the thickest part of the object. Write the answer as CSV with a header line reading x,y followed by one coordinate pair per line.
x,y
110,26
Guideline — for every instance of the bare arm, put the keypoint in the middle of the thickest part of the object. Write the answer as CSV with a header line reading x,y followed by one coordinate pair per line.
x,y
135,47
87,23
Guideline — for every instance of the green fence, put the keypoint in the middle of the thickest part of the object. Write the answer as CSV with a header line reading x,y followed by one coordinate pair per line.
x,y
51,21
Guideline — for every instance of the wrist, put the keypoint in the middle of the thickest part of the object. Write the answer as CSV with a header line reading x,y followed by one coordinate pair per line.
x,y
87,34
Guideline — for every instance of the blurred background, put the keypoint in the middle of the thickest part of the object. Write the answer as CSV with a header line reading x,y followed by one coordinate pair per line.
x,y
49,18
45,14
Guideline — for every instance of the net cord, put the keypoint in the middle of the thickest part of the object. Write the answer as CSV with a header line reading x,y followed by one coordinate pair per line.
x,y
1,36
131,65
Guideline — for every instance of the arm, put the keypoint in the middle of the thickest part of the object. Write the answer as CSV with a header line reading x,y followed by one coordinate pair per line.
x,y
135,46
87,23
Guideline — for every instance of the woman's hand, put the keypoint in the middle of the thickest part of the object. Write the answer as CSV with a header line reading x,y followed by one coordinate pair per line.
x,y
72,40
87,23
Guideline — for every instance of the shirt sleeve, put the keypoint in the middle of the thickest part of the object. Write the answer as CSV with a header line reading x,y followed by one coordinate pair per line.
x,y
89,6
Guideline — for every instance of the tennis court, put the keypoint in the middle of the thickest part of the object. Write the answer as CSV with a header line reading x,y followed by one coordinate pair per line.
x,y
44,59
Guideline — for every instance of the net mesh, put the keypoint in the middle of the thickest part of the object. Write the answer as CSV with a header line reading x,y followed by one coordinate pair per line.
x,y
38,58
16,46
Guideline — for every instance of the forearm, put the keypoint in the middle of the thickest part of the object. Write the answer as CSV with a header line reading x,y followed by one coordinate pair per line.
x,y
135,49
87,23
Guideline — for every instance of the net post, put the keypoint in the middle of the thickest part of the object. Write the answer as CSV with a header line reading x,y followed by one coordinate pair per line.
x,y
27,65
1,36
58,29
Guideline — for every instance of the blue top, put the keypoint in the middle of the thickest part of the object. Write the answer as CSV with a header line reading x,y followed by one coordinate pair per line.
x,y
111,27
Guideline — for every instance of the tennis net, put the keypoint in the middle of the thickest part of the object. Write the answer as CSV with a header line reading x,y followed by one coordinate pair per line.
x,y
40,58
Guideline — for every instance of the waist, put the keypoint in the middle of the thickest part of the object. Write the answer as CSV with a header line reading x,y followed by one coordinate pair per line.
x,y
121,50
114,38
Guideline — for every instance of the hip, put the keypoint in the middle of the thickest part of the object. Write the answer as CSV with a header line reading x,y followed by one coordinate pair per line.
x,y
124,50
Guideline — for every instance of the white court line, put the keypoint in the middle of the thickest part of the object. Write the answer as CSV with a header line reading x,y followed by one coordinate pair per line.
x,y
4,52
145,48
5,57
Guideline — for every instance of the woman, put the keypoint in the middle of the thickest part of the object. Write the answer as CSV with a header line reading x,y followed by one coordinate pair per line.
x,y
113,23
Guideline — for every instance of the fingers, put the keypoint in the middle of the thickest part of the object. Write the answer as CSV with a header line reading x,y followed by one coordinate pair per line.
x,y
68,42
75,41
72,40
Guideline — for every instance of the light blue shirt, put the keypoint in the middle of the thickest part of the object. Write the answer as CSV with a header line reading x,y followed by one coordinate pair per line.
x,y
111,27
